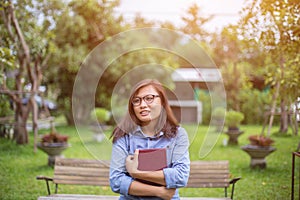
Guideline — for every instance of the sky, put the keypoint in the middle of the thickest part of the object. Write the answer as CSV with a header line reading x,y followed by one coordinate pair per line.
x,y
226,11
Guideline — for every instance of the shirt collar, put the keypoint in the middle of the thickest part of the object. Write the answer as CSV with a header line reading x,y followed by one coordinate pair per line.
x,y
138,131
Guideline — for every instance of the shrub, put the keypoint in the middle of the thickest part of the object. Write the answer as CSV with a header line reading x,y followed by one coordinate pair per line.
x,y
5,106
102,115
218,113
233,118
254,104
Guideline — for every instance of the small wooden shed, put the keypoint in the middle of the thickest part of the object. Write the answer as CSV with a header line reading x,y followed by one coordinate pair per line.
x,y
183,99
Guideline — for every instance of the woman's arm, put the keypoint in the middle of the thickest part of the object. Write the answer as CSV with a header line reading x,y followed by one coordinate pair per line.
x,y
121,182
174,177
141,189
177,175
119,178
151,176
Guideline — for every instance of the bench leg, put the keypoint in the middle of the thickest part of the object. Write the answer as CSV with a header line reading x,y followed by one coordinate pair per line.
x,y
232,191
56,188
48,188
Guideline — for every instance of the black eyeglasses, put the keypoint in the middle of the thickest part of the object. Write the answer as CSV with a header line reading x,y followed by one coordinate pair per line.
x,y
148,99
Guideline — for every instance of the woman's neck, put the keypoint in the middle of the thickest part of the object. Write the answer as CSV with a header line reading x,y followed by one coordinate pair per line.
x,y
149,129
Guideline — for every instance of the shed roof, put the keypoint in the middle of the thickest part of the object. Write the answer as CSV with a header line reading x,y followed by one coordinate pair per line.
x,y
197,75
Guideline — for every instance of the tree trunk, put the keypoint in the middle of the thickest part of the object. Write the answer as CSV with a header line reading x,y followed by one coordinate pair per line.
x,y
272,112
34,107
283,118
69,118
293,117
20,131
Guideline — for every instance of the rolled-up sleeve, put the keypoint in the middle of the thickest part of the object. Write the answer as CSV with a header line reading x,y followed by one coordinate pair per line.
x,y
177,175
119,180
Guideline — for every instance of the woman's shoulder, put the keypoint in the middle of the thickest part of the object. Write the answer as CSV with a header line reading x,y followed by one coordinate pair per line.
x,y
181,130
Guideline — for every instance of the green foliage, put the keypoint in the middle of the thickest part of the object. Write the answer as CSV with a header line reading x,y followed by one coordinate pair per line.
x,y
5,109
194,22
80,27
233,118
236,79
102,115
20,165
254,105
7,60
273,26
219,113
204,97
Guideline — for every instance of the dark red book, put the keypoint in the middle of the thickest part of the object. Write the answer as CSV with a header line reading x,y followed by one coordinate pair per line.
x,y
152,159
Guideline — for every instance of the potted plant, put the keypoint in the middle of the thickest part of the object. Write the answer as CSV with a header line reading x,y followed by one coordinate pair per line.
x,y
100,118
218,117
260,140
53,144
260,146
233,120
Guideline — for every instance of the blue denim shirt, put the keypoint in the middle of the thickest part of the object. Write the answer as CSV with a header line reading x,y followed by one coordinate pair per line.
x,y
176,174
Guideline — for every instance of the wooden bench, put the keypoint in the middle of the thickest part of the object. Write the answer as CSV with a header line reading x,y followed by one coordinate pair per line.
x,y
204,174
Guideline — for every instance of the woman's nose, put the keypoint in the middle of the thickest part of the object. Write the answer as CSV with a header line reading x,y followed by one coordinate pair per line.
x,y
143,104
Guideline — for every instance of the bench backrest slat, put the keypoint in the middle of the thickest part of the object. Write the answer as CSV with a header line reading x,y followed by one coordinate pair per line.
x,y
212,174
81,172
203,174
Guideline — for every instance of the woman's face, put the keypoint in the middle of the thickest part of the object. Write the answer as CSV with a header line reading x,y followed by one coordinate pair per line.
x,y
144,108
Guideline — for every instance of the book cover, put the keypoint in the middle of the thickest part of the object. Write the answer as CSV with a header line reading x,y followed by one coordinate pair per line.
x,y
152,159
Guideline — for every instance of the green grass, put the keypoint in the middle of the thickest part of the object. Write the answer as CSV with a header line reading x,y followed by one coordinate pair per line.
x,y
19,165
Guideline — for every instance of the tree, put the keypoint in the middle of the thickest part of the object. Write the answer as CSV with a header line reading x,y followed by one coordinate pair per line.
x,y
28,42
274,25
194,23
79,28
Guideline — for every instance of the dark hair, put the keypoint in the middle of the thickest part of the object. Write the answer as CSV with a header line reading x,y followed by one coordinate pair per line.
x,y
166,123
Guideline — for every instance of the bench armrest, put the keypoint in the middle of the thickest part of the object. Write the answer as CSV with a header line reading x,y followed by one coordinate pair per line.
x,y
233,181
47,179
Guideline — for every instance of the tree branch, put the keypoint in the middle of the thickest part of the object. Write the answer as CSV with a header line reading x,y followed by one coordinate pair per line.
x,y
18,31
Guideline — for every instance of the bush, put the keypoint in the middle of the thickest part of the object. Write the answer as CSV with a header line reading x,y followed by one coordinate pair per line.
x,y
5,106
218,113
102,115
254,104
233,119
205,99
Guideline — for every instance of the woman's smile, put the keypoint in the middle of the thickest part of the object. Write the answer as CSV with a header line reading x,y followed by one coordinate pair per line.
x,y
145,113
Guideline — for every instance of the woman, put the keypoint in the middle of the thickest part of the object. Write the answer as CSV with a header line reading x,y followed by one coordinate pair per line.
x,y
149,123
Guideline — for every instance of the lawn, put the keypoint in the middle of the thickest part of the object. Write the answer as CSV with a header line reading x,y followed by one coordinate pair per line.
x,y
19,165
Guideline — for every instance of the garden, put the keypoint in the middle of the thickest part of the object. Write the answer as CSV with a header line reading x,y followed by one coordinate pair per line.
x,y
20,166
67,67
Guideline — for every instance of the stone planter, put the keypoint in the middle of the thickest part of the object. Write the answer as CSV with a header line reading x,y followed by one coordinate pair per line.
x,y
53,150
258,154
233,136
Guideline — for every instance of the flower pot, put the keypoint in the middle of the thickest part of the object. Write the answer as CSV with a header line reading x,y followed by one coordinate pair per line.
x,y
53,150
258,154
233,136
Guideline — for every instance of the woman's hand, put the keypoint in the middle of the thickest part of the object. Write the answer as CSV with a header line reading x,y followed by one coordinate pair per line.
x,y
166,194
132,163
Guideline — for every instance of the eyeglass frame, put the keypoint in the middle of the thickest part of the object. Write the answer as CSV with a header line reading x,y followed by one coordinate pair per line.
x,y
143,98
